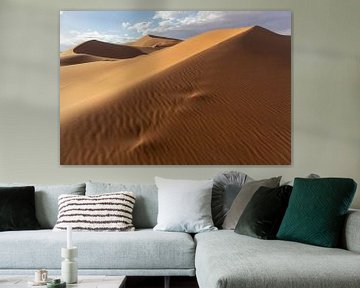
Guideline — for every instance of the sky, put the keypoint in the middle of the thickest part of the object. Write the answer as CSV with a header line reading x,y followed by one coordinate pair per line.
x,y
125,26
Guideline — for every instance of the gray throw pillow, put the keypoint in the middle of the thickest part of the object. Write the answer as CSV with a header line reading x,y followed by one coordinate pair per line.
x,y
243,198
226,187
184,205
46,200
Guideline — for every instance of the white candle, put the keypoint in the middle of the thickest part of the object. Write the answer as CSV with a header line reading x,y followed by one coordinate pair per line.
x,y
69,237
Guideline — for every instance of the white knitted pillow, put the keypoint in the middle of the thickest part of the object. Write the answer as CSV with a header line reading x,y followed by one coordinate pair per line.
x,y
105,212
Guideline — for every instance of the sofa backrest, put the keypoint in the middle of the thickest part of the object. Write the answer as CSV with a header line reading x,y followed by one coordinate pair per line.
x,y
146,203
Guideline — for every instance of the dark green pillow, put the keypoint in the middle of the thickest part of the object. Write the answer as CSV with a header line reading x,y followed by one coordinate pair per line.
x,y
316,211
17,208
263,214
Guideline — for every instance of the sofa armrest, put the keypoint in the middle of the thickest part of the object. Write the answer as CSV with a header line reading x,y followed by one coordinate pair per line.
x,y
351,234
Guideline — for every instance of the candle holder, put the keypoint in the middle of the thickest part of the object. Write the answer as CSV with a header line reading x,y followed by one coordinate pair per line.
x,y
69,271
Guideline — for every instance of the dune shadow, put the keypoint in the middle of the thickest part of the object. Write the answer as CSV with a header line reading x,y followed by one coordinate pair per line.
x,y
109,50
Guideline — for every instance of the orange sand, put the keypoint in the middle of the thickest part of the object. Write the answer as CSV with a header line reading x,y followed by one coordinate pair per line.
x,y
222,97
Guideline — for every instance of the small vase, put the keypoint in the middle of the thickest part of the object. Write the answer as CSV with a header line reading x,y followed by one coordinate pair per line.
x,y
69,271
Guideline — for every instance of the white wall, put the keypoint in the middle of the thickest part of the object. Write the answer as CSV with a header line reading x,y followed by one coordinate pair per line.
x,y
326,91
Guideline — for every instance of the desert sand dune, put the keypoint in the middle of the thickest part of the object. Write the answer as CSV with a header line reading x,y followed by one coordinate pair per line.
x,y
109,50
155,41
79,59
95,50
100,79
222,97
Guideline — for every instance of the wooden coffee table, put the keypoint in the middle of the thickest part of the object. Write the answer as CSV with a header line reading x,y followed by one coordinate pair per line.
x,y
83,282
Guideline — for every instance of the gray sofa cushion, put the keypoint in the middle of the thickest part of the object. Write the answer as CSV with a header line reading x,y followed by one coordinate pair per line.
x,y
351,234
226,259
143,249
146,204
46,200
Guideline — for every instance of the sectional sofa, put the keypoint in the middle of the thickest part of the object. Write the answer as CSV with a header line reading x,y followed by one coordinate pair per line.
x,y
219,259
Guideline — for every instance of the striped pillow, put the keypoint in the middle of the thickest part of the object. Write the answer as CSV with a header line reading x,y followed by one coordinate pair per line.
x,y
105,212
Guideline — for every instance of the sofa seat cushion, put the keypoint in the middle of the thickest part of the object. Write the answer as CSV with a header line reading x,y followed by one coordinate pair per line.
x,y
225,259
142,249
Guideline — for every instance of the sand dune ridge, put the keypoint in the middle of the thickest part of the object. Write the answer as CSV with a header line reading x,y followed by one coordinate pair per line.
x,y
155,41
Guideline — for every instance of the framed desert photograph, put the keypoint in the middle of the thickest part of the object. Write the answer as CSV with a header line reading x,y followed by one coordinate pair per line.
x,y
175,87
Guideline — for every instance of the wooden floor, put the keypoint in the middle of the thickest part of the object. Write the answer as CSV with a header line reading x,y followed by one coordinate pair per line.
x,y
158,282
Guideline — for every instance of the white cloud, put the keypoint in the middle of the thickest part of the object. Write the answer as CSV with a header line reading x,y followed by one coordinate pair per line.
x,y
183,24
141,27
74,38
164,21
185,21
170,15
206,20
125,24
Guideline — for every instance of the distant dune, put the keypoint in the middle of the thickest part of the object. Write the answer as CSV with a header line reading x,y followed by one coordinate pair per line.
x,y
72,59
103,49
155,41
222,97
94,50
